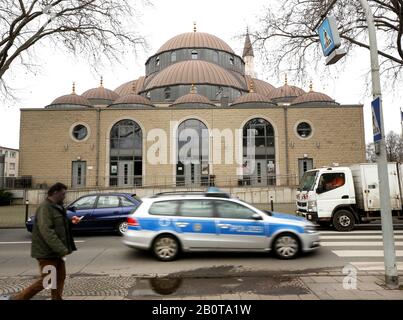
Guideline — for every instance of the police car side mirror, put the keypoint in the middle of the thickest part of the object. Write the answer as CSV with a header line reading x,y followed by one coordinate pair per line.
x,y
256,216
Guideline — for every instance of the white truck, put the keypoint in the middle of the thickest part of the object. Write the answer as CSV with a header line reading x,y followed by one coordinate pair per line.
x,y
346,196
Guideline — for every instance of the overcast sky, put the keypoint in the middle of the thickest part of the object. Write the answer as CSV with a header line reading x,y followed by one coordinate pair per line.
x,y
225,18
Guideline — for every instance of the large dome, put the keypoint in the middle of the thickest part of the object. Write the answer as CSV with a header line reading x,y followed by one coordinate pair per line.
x,y
194,72
195,40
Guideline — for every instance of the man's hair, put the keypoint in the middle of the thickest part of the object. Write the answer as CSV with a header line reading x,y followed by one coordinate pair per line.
x,y
56,188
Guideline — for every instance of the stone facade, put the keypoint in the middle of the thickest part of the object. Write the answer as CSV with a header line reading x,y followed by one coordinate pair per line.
x,y
48,148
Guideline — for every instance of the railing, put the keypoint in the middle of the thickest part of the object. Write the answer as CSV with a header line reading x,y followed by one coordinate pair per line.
x,y
148,181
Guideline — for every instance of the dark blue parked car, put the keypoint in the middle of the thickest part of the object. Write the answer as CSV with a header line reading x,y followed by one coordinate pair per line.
x,y
100,212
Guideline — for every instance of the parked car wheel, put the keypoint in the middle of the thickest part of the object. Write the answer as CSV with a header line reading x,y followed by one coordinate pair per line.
x,y
166,248
286,246
343,220
122,228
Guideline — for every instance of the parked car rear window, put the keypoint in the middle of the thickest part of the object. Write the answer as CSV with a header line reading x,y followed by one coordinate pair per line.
x,y
232,210
126,203
164,208
197,208
108,202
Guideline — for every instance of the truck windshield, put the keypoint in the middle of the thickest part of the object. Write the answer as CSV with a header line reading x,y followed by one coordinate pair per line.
x,y
307,181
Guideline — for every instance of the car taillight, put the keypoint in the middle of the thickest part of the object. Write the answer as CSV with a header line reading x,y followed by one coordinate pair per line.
x,y
132,222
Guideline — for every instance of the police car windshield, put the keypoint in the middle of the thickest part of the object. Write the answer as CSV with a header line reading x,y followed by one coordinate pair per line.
x,y
308,181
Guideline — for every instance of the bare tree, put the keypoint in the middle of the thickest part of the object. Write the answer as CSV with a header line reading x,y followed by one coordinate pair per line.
x,y
93,29
394,148
287,39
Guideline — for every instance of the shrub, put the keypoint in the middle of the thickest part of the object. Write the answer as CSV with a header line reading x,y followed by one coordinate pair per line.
x,y
5,198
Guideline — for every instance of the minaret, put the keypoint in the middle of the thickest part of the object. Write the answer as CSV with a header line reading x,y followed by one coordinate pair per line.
x,y
249,56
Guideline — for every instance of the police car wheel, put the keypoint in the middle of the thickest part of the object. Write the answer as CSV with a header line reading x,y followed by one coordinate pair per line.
x,y
166,248
343,220
286,246
122,228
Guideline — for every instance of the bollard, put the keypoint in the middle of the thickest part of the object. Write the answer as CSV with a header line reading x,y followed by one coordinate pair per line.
x,y
26,209
271,205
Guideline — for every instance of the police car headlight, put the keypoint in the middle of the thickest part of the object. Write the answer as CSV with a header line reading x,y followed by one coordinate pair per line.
x,y
312,205
310,229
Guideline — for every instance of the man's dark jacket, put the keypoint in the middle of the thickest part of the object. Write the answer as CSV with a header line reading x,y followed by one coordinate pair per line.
x,y
51,235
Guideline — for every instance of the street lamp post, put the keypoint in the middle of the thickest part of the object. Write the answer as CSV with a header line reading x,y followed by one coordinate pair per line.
x,y
391,275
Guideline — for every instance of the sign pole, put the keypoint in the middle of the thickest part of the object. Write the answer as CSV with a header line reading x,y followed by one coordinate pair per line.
x,y
391,275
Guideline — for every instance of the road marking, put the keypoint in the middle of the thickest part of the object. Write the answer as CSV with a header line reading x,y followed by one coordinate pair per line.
x,y
363,253
357,243
358,237
29,242
374,266
357,232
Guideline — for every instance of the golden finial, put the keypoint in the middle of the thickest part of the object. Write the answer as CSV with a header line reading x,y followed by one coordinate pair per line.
x,y
311,86
194,26
251,86
193,89
285,79
102,81
74,88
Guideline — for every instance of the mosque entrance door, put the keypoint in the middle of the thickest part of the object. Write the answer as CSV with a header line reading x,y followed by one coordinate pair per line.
x,y
192,174
126,173
259,177
78,174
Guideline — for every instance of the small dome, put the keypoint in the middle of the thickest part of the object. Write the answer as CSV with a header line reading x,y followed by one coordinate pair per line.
x,y
71,100
101,95
252,97
285,92
194,71
193,98
131,99
195,40
314,97
263,87
128,87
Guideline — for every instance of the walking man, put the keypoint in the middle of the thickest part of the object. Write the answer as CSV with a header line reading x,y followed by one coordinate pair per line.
x,y
52,240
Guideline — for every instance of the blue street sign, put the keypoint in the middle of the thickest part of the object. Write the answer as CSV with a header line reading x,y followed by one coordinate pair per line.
x,y
376,119
329,36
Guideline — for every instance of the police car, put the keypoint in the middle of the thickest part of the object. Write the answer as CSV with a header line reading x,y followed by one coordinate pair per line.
x,y
169,223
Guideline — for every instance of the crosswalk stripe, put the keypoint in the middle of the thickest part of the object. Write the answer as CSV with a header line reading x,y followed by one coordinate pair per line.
x,y
357,237
363,253
374,266
357,243
357,232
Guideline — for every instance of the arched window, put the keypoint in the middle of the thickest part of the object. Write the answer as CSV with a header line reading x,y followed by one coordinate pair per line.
x,y
157,61
195,55
126,154
259,155
192,168
167,93
173,56
215,56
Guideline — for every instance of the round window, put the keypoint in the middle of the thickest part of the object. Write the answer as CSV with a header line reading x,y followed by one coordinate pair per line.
x,y
304,130
80,132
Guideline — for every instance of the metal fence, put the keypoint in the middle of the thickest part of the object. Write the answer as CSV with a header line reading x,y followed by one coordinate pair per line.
x,y
148,181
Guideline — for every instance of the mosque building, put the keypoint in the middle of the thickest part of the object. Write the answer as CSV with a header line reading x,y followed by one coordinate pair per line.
x,y
133,135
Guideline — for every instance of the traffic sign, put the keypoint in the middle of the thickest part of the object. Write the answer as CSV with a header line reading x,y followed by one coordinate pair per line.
x,y
329,36
376,119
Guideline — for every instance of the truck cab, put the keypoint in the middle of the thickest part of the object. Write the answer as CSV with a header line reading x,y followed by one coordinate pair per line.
x,y
327,196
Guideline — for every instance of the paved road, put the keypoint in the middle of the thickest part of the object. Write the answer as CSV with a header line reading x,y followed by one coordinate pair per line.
x,y
105,254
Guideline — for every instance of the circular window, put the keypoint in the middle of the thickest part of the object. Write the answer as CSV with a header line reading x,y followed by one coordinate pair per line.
x,y
304,130
80,132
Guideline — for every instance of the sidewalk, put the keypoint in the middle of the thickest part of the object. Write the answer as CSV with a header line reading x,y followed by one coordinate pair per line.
x,y
311,286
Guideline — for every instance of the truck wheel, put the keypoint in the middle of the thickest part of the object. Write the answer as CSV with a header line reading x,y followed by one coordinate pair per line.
x,y
343,220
